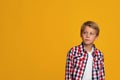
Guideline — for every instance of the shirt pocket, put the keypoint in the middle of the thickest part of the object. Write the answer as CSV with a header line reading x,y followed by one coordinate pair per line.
x,y
97,65
78,61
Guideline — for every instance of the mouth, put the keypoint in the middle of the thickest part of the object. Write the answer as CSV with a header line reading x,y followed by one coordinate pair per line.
x,y
87,40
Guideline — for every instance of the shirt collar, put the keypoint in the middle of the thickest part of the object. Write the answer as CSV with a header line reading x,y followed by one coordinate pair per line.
x,y
94,53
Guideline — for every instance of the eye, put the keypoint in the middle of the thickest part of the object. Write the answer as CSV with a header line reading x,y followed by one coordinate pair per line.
x,y
84,32
91,33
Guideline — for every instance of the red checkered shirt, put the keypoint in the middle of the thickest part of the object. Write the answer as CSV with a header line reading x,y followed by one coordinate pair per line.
x,y
77,60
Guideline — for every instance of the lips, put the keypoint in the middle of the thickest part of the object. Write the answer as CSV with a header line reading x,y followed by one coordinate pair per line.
x,y
87,40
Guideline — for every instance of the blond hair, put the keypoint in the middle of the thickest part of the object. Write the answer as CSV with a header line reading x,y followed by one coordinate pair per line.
x,y
90,24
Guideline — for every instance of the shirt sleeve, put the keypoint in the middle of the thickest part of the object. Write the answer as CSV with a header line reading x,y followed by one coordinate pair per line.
x,y
102,70
69,66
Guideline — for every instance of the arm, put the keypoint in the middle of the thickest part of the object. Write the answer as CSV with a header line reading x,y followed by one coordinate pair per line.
x,y
69,66
102,71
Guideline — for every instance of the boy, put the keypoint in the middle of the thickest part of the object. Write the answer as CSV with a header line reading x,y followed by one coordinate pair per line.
x,y
85,61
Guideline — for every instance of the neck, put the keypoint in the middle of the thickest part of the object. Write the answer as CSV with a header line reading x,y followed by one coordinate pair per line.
x,y
88,47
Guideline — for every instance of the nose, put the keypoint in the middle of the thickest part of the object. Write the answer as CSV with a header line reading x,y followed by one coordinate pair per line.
x,y
87,35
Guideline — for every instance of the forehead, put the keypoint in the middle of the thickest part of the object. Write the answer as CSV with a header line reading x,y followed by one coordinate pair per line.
x,y
90,29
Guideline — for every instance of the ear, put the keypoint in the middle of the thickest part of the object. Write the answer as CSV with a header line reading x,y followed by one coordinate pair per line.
x,y
81,36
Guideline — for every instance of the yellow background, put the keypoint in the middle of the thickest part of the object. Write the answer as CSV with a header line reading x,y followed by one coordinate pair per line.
x,y
35,36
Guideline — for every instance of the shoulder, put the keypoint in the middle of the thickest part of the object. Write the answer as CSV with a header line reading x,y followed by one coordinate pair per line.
x,y
99,53
74,50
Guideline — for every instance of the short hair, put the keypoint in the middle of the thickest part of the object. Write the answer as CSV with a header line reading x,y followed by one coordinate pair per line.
x,y
90,24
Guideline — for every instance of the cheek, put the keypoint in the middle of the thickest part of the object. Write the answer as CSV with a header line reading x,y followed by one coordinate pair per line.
x,y
94,38
83,37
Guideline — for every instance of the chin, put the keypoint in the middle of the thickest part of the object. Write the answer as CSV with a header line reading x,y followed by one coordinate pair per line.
x,y
87,43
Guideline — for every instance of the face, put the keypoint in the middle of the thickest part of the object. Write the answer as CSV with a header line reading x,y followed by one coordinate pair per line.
x,y
88,35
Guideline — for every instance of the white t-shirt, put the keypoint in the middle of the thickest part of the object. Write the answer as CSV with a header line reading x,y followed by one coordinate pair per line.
x,y
88,70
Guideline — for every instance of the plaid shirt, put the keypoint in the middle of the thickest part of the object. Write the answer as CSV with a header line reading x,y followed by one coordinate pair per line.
x,y
77,60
